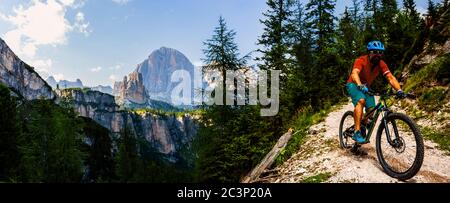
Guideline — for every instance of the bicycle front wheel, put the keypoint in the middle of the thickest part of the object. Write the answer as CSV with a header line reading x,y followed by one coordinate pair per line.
x,y
400,148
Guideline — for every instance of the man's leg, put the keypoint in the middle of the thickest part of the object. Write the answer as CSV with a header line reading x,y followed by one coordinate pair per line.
x,y
359,113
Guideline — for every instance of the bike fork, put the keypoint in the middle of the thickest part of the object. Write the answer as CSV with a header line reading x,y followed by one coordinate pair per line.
x,y
388,134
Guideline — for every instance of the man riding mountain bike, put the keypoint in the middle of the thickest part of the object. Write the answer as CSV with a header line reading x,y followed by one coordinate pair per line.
x,y
364,72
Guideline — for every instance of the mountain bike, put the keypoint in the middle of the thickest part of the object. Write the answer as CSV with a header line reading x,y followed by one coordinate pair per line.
x,y
399,143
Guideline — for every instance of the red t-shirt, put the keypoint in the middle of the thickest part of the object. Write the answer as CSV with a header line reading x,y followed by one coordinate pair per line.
x,y
366,74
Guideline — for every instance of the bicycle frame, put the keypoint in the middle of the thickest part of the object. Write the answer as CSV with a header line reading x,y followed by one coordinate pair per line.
x,y
380,107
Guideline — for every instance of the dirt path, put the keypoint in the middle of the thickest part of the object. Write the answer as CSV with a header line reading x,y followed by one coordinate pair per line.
x,y
321,154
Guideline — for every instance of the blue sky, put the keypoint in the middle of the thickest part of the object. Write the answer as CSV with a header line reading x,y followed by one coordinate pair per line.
x,y
101,41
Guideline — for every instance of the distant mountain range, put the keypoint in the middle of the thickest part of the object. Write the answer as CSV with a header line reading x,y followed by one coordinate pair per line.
x,y
65,84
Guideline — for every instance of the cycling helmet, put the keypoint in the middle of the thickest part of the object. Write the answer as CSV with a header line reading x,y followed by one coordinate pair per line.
x,y
375,45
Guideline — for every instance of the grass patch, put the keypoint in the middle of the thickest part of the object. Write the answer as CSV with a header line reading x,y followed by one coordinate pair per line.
x,y
320,178
434,72
433,98
441,136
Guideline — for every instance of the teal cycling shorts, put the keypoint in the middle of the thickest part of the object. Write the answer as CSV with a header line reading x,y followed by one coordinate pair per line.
x,y
357,95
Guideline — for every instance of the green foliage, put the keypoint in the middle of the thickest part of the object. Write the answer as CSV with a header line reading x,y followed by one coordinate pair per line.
x,y
432,73
127,159
231,139
319,178
50,143
99,160
229,148
433,98
439,136
9,132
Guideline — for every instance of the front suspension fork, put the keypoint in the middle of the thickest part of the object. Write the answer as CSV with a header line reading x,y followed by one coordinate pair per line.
x,y
393,142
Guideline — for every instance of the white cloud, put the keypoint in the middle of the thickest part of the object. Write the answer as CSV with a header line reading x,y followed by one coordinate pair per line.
x,y
42,23
67,2
58,77
81,25
113,77
96,69
121,2
42,66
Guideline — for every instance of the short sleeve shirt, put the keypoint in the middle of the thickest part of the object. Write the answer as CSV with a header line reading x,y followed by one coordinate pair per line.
x,y
367,75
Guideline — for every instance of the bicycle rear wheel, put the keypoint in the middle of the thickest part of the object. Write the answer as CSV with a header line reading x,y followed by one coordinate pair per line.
x,y
402,156
346,130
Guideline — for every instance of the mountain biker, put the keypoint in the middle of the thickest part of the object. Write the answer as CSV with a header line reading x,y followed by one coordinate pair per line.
x,y
365,69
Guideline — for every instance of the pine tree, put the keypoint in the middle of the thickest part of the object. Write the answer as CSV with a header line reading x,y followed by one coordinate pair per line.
x,y
325,71
348,36
50,144
231,139
411,11
320,18
432,11
222,52
277,37
127,159
9,131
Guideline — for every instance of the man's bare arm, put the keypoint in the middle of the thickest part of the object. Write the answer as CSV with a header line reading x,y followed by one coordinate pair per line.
x,y
393,81
355,76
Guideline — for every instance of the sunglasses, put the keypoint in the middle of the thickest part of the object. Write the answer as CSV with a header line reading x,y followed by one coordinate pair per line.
x,y
376,52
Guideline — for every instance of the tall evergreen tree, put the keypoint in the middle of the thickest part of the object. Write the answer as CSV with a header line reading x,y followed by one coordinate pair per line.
x,y
320,18
348,43
222,52
127,159
277,37
326,70
411,12
231,139
432,10
9,131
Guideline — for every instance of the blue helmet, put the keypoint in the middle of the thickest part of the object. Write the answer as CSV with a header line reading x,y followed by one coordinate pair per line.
x,y
375,45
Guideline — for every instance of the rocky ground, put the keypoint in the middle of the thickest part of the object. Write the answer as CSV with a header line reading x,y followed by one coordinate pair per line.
x,y
321,154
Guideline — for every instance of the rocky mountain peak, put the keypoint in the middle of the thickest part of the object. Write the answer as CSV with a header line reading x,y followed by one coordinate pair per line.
x,y
131,89
157,70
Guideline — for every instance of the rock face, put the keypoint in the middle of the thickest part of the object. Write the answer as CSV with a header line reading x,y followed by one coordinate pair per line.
x,y
156,73
131,89
166,134
20,77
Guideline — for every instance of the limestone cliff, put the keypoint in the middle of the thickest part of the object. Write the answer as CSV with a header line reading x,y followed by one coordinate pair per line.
x,y
20,77
167,134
